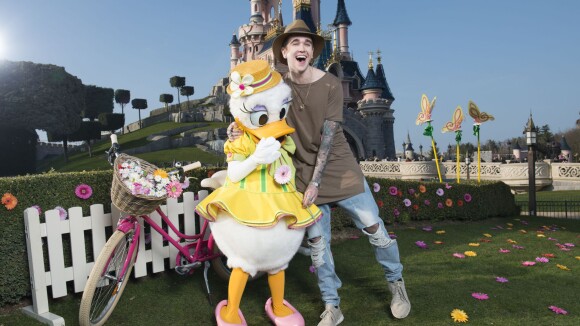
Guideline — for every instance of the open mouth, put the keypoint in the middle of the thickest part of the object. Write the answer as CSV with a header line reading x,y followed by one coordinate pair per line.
x,y
301,58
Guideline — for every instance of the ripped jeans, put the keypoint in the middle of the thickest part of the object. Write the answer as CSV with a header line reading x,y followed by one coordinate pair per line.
x,y
364,212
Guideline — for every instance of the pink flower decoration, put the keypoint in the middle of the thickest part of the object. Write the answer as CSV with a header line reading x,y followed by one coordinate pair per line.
x,y
570,245
185,183
458,255
542,259
528,263
427,228
421,244
396,212
312,269
62,213
501,279
411,191
376,187
440,205
392,235
480,296
393,191
174,189
558,310
407,202
504,251
283,174
439,192
447,185
38,209
84,191
518,247
427,202
467,198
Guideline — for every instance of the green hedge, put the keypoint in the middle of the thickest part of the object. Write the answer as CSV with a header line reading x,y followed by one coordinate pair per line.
x,y
488,199
47,191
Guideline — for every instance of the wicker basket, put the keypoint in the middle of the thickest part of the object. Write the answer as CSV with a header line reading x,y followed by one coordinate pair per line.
x,y
122,196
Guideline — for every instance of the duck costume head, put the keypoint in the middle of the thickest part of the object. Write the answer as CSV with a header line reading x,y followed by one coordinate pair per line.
x,y
257,219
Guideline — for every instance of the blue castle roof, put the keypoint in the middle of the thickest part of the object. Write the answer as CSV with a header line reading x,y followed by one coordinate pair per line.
x,y
341,15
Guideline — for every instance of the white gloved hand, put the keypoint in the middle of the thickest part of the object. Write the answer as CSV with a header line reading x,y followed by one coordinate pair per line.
x,y
266,151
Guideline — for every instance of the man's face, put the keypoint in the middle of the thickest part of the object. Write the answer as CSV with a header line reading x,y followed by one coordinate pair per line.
x,y
298,52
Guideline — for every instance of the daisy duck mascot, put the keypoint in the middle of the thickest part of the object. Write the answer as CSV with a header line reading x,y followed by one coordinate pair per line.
x,y
257,218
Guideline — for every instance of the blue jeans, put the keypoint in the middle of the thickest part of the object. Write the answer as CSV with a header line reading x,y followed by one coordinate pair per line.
x,y
364,212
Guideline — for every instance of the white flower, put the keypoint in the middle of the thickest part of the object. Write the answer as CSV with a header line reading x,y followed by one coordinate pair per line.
x,y
241,86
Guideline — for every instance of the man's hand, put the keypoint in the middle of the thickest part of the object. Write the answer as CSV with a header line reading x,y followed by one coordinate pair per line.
x,y
233,131
310,195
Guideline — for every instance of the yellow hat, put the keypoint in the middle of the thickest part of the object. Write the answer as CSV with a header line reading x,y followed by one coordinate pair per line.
x,y
252,77
297,28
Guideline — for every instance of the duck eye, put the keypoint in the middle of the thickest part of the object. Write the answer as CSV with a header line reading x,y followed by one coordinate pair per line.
x,y
284,110
282,113
259,118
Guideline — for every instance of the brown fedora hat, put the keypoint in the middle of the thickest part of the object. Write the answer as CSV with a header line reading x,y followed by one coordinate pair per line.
x,y
297,28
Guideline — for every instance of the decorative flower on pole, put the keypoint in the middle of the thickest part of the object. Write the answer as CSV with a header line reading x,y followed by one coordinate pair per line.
x,y
478,118
455,125
425,116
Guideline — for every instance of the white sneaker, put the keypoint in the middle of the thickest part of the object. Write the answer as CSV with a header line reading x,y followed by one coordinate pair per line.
x,y
400,304
331,316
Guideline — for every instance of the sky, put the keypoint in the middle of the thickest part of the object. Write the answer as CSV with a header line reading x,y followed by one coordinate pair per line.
x,y
512,58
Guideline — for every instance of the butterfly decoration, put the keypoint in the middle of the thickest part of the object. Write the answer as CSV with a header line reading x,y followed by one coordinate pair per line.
x,y
456,120
478,116
426,109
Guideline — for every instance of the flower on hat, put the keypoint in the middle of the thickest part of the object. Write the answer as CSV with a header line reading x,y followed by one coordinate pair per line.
x,y
241,86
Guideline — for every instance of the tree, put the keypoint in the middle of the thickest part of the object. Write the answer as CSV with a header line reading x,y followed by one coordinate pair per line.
x,y
139,104
89,130
18,148
177,82
97,100
166,99
111,121
122,96
39,96
187,91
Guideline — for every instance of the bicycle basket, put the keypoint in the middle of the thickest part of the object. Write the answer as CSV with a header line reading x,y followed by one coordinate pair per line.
x,y
121,196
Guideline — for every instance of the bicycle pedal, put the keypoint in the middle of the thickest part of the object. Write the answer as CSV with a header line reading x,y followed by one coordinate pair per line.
x,y
185,269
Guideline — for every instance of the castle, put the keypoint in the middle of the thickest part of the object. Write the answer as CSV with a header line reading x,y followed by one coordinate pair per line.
x,y
368,117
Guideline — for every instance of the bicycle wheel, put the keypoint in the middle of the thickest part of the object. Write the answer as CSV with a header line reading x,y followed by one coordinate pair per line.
x,y
105,286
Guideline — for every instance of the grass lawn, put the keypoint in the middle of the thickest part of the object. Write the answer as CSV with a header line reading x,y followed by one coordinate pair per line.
x,y
437,282
561,195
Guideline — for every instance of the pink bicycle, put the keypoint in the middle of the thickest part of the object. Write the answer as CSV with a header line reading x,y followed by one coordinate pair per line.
x,y
114,264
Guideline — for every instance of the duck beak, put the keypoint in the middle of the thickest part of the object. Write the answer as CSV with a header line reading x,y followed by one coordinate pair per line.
x,y
275,129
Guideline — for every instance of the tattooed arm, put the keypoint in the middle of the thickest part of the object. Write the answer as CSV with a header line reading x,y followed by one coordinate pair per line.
x,y
329,128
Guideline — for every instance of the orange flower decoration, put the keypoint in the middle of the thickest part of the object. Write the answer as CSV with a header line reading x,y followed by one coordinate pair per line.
x,y
9,201
422,189
448,202
459,202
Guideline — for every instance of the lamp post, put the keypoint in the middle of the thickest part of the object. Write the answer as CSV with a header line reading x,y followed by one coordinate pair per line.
x,y
421,151
467,162
449,152
509,144
531,133
403,155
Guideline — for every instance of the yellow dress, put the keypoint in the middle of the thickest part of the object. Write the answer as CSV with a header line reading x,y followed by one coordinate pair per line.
x,y
258,200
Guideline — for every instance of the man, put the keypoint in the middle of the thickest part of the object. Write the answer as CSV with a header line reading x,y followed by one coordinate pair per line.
x,y
327,172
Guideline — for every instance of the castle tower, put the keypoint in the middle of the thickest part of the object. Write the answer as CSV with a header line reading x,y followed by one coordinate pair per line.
x,y
341,22
409,151
234,51
303,10
387,94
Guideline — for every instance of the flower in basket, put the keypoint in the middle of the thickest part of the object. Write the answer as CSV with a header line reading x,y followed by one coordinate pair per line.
x,y
156,184
174,189
9,201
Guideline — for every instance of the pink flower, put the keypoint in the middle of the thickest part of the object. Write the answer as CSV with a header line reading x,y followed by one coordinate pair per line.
x,y
84,191
421,244
411,191
504,251
376,187
542,259
392,235
447,185
393,191
439,205
283,174
38,209
558,310
174,189
501,279
407,202
61,212
396,212
137,188
439,192
312,269
518,247
570,245
458,255
427,202
528,263
427,228
185,183
480,296
467,198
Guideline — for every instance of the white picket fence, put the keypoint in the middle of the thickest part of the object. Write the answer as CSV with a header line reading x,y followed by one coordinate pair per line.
x,y
57,275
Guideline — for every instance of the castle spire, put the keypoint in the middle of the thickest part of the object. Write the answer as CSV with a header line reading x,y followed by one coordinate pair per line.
x,y
341,22
383,79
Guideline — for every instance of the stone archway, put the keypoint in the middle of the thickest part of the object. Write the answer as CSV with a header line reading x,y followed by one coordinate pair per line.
x,y
354,142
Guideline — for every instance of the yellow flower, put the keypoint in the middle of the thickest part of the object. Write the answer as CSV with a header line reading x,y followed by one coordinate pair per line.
x,y
541,235
563,267
440,232
577,257
511,241
473,244
487,235
160,173
459,316
470,253
438,242
509,224
523,231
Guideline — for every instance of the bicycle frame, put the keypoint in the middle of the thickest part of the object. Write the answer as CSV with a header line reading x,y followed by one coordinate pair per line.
x,y
204,248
